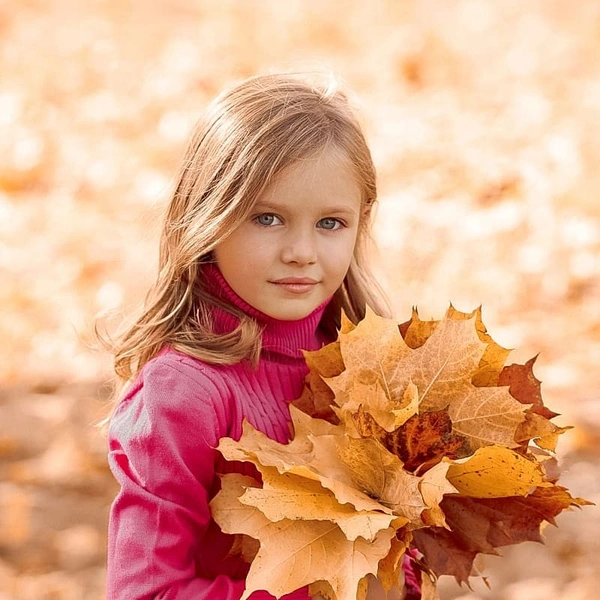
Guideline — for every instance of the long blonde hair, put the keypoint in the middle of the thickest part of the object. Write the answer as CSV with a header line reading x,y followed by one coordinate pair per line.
x,y
249,134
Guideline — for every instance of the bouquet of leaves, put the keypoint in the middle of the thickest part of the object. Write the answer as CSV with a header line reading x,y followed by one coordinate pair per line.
x,y
413,438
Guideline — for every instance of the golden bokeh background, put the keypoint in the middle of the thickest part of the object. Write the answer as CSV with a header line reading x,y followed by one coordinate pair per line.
x,y
484,121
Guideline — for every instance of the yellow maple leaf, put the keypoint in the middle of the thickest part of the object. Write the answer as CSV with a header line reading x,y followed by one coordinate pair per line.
x,y
261,450
372,399
495,472
417,332
434,486
389,572
295,553
312,454
540,430
380,475
486,416
369,351
289,496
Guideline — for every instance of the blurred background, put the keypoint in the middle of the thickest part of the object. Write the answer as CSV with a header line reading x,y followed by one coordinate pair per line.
x,y
484,121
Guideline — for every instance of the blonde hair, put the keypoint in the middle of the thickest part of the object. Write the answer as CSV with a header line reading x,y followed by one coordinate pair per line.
x,y
248,135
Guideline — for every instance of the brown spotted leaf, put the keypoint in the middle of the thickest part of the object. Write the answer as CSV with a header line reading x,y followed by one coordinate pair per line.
x,y
420,443
425,439
495,472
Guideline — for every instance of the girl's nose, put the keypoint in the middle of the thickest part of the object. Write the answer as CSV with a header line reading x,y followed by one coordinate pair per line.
x,y
299,248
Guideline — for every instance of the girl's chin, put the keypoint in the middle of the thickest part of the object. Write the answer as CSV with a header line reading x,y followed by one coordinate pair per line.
x,y
291,313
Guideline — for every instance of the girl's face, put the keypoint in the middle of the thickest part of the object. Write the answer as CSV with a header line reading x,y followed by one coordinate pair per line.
x,y
294,251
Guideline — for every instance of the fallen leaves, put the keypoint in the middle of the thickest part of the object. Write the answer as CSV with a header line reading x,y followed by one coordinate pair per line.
x,y
419,437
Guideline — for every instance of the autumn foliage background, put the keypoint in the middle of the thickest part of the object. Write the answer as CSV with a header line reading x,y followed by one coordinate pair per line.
x,y
484,121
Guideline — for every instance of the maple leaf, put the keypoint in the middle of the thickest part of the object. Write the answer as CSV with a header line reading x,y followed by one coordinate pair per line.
x,y
495,472
261,450
389,571
411,438
442,369
525,387
540,430
314,454
545,503
294,553
370,352
380,474
444,554
426,438
341,476
434,485
317,397
289,496
372,400
481,525
416,332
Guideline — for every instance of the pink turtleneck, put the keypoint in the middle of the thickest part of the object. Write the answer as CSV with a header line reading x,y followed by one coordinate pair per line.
x,y
163,543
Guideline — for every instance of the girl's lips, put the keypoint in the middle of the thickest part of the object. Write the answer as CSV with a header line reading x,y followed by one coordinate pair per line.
x,y
296,286
295,280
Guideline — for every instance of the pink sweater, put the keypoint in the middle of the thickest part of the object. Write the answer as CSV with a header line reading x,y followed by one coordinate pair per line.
x,y
163,543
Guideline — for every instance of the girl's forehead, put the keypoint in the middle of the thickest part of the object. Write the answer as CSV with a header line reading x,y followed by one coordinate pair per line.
x,y
326,178
330,166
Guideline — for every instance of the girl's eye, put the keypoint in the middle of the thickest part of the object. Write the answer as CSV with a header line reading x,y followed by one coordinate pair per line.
x,y
267,219
330,224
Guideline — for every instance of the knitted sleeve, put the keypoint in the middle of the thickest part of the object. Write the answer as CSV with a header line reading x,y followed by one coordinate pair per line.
x,y
161,450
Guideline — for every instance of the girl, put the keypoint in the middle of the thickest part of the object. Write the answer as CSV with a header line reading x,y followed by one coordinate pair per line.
x,y
262,247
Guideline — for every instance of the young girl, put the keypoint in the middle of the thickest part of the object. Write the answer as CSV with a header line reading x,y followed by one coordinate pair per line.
x,y
262,247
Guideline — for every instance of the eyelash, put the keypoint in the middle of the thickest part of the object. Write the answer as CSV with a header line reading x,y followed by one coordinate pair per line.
x,y
337,221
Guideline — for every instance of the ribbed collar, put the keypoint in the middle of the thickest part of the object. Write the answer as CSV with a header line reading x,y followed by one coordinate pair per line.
x,y
282,337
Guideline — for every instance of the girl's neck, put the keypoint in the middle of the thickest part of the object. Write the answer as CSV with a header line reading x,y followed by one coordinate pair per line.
x,y
281,337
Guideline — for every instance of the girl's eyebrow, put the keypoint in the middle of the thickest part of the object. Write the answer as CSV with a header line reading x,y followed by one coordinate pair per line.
x,y
333,209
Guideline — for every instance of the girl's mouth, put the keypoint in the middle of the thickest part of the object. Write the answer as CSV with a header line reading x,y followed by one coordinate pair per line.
x,y
295,288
